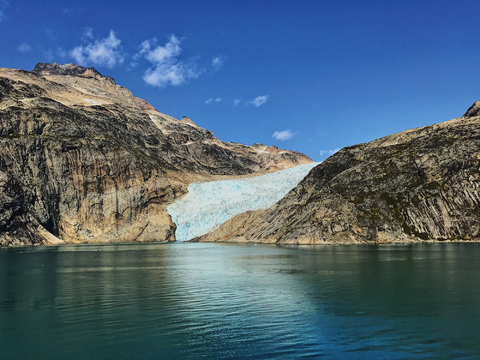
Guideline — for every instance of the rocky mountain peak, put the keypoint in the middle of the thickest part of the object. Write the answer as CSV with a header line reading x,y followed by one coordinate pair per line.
x,y
65,128
186,120
46,69
473,110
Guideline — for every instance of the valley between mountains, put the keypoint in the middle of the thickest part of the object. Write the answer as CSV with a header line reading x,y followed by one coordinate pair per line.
x,y
82,160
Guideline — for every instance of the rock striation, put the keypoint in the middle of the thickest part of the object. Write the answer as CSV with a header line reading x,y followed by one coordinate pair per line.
x,y
83,160
45,69
418,185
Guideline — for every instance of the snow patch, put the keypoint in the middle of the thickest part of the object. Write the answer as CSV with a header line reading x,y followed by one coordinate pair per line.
x,y
191,125
152,118
93,102
209,204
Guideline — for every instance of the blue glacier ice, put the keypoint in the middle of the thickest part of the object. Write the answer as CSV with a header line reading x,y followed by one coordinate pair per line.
x,y
209,204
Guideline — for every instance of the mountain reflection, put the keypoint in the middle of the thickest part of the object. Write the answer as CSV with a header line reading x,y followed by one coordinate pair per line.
x,y
129,301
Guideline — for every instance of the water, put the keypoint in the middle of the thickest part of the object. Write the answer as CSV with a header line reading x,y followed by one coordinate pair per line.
x,y
215,301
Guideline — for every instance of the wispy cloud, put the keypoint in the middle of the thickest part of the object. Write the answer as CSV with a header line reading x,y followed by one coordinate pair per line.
x,y
87,34
328,152
62,52
48,54
218,62
211,100
3,5
282,135
105,52
236,102
50,34
166,68
258,101
24,48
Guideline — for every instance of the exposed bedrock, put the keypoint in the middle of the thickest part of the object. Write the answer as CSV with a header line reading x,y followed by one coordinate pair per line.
x,y
83,160
421,184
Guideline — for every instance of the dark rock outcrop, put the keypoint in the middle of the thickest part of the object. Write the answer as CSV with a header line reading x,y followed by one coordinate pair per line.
x,y
418,185
83,160
46,69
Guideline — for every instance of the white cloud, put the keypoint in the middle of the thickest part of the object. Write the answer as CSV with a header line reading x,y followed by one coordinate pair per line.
x,y
218,62
105,52
328,152
88,33
282,135
24,48
211,100
258,101
236,102
166,68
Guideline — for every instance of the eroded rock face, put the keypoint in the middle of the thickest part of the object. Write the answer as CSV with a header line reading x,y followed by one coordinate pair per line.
x,y
83,160
43,69
421,184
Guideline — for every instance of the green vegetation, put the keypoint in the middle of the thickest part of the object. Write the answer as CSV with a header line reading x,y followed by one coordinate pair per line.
x,y
410,230
432,186
397,205
16,136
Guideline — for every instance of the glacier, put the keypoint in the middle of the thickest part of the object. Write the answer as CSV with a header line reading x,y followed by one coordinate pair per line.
x,y
209,204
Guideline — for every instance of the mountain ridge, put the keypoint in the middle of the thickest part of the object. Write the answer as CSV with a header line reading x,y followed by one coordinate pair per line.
x,y
83,160
48,69
421,184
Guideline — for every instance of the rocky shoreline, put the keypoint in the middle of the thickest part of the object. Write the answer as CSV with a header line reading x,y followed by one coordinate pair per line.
x,y
84,161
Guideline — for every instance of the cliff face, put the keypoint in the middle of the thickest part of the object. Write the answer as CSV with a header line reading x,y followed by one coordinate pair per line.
x,y
83,160
416,185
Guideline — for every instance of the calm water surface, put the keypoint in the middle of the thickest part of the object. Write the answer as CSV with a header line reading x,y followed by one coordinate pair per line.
x,y
211,301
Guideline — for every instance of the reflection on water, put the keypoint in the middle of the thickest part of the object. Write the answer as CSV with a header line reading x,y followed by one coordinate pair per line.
x,y
191,301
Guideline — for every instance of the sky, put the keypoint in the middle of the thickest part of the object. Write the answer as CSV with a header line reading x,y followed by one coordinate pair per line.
x,y
309,76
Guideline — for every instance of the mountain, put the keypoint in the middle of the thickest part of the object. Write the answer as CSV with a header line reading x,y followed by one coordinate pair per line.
x,y
418,185
83,160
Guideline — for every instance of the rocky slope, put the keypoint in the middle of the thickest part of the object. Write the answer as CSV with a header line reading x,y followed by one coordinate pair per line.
x,y
83,160
421,184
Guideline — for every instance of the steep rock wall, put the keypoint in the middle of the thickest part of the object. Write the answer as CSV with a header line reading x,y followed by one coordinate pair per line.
x,y
82,160
422,184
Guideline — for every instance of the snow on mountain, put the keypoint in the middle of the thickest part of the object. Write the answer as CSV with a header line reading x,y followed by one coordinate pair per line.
x,y
208,204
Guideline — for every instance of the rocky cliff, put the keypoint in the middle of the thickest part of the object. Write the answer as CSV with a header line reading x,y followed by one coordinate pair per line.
x,y
421,184
83,160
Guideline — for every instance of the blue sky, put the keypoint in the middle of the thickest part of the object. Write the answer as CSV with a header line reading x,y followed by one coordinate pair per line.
x,y
310,76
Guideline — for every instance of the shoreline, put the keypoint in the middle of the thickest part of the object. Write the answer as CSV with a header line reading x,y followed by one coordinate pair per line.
x,y
413,242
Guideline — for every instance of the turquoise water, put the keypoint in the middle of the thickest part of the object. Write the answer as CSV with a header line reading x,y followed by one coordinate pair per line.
x,y
214,301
